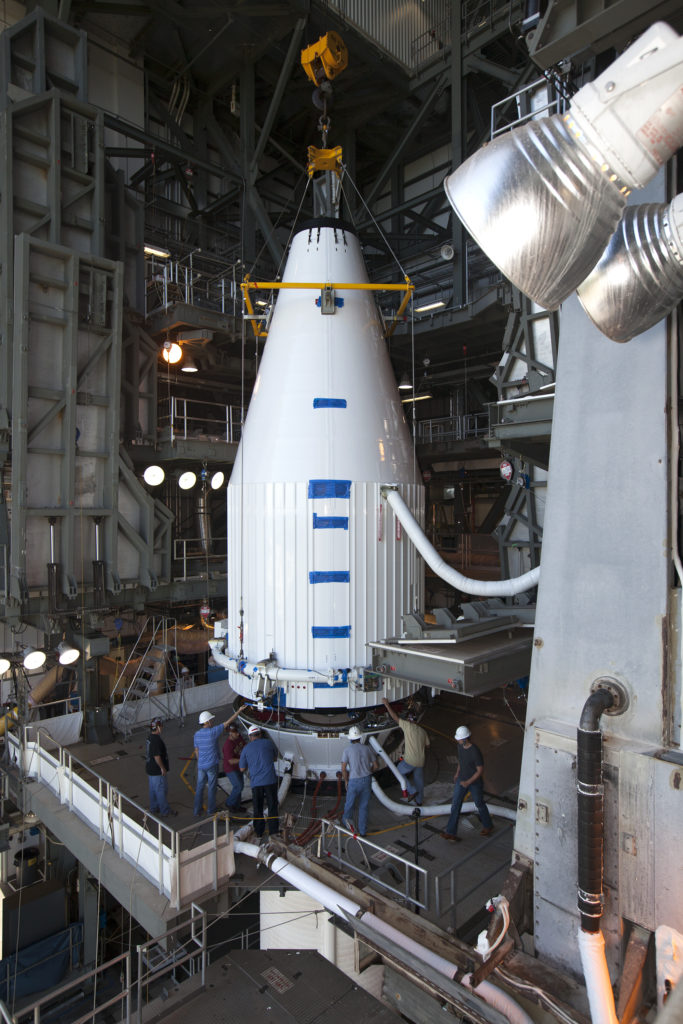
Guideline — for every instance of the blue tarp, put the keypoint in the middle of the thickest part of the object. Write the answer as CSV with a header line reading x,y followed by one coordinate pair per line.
x,y
40,966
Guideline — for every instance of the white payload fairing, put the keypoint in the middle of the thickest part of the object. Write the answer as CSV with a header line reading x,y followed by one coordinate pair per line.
x,y
318,564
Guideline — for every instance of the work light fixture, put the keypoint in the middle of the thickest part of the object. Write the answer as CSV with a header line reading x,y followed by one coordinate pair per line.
x,y
172,352
543,199
33,659
156,250
217,480
153,476
187,480
67,653
429,306
639,277
405,384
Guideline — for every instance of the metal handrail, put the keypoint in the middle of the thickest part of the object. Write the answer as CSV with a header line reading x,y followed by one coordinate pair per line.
x,y
451,874
452,428
198,939
34,1009
414,878
182,424
134,833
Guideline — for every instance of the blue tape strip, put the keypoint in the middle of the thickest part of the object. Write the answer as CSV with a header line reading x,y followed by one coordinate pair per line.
x,y
330,522
333,576
329,403
329,488
327,686
330,632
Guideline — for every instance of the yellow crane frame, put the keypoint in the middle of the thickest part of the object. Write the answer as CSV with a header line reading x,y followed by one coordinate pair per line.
x,y
248,286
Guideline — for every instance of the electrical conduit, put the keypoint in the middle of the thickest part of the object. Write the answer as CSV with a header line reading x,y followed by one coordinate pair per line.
x,y
480,588
590,792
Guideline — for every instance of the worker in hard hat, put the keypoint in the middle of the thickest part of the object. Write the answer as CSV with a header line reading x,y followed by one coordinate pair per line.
x,y
357,765
208,753
411,765
258,758
469,776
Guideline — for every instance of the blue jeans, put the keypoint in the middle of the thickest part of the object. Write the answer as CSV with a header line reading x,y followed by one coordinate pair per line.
x,y
158,794
416,785
210,776
267,794
358,790
477,793
236,786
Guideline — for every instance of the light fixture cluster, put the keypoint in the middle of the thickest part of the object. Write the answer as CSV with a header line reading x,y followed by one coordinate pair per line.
x,y
155,475
32,658
545,200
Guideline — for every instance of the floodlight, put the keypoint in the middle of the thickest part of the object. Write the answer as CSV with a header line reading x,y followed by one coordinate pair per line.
x,y
172,352
189,365
153,475
33,659
67,653
543,199
217,480
187,480
4,665
639,278
404,384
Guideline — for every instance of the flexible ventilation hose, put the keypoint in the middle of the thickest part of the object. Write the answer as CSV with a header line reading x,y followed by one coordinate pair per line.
x,y
480,588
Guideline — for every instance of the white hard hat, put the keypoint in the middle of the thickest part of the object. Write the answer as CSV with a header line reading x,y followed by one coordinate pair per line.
x,y
355,733
205,716
462,732
253,728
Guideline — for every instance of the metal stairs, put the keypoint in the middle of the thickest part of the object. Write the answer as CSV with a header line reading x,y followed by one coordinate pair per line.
x,y
156,672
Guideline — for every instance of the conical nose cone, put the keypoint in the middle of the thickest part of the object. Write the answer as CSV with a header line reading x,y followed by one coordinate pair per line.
x,y
538,206
638,279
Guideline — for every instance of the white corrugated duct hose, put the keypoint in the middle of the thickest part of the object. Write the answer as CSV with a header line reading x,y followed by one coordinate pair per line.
x,y
435,809
479,588
338,904
596,976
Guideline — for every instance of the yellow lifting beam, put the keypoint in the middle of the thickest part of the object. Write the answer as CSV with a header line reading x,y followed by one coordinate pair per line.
x,y
249,286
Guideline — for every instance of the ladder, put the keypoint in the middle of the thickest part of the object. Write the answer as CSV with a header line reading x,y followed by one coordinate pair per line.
x,y
155,648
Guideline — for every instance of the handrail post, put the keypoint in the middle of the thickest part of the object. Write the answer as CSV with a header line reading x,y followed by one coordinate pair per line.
x,y
139,983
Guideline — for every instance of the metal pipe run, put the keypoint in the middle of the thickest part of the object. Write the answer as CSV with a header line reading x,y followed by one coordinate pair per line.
x,y
343,906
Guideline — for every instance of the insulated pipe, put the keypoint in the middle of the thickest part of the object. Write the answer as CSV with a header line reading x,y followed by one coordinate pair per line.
x,y
377,746
596,976
499,1000
437,809
590,807
480,588
335,902
338,904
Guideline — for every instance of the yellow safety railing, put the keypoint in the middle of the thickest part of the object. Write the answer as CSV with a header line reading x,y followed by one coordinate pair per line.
x,y
249,286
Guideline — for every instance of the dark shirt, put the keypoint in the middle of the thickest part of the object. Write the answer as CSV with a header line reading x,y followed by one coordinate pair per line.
x,y
469,759
155,748
232,748
257,758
